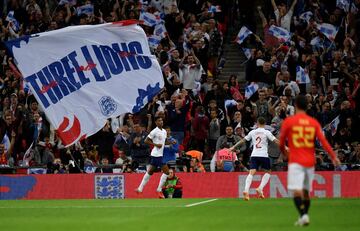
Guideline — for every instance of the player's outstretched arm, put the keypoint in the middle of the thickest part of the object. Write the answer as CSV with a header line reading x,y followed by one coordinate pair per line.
x,y
327,146
241,142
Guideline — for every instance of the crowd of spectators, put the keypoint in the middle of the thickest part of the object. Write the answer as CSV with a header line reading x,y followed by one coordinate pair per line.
x,y
202,114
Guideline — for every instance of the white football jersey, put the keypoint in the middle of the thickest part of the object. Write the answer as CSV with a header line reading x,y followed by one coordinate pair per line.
x,y
259,138
158,137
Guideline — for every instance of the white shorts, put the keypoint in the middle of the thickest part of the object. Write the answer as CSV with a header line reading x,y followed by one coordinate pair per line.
x,y
300,177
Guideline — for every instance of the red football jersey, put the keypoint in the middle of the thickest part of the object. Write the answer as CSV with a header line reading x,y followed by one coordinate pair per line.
x,y
300,132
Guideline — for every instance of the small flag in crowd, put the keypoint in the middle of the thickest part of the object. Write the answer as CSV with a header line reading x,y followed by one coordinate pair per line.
x,y
89,169
36,171
14,23
251,89
149,19
247,52
333,126
306,16
28,155
344,4
301,75
214,9
280,33
328,30
154,41
160,30
229,103
87,9
70,2
6,141
317,42
243,34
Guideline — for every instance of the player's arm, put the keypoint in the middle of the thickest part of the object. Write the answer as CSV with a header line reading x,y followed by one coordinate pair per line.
x,y
283,134
326,145
241,142
293,6
149,141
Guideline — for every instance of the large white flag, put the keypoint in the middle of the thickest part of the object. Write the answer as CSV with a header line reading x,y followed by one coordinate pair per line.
x,y
82,75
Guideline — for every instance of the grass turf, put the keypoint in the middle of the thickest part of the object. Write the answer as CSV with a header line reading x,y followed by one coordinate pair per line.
x,y
172,214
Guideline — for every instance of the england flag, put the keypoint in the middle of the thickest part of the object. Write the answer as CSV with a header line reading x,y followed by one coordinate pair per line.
x,y
87,9
333,126
243,34
149,19
247,52
317,42
306,16
214,9
160,30
344,4
83,75
251,89
328,30
14,23
302,75
154,41
280,33
70,2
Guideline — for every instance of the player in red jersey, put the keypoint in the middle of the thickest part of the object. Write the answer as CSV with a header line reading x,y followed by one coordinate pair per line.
x,y
300,131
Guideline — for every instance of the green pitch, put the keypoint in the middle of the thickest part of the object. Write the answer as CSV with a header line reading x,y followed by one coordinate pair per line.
x,y
175,214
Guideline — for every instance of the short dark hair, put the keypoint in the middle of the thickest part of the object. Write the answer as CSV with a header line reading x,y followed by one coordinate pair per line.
x,y
301,102
157,117
261,120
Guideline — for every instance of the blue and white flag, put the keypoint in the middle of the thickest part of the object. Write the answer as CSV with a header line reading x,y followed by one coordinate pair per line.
x,y
306,16
247,52
243,34
6,141
214,9
333,126
302,75
149,19
36,171
344,4
90,169
87,9
83,75
160,30
70,2
317,42
328,30
280,33
251,89
154,41
14,23
229,103
28,155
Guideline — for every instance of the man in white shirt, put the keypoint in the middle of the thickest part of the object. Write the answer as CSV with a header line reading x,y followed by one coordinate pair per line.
x,y
156,138
283,17
259,157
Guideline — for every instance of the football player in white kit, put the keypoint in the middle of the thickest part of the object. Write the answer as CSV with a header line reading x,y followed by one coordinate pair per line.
x,y
259,157
157,138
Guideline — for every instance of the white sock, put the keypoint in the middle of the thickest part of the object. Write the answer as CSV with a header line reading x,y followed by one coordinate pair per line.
x,y
248,183
144,181
162,182
264,181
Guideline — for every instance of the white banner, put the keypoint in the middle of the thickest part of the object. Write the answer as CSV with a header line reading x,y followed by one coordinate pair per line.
x,y
82,75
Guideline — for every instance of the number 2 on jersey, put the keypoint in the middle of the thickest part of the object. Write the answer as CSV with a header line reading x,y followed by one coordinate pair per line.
x,y
303,137
258,141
